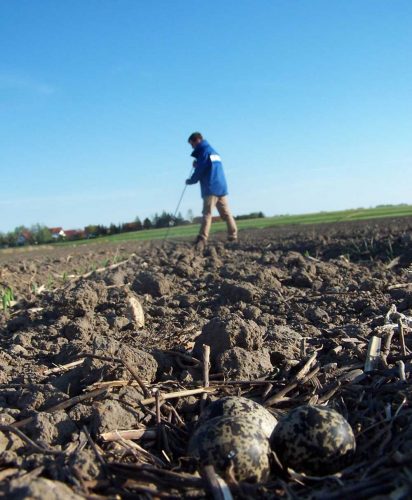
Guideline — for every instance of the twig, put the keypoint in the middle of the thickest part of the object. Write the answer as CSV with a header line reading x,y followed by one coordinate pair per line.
x,y
23,437
387,348
160,434
212,483
115,383
398,285
173,410
329,394
206,368
96,452
128,434
179,394
63,406
63,368
401,336
239,382
136,376
401,368
279,396
6,473
373,355
268,389
156,475
100,269
303,347
206,365
133,383
310,376
132,447
304,370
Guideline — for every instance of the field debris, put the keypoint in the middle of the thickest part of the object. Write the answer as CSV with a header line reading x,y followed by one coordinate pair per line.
x,y
108,374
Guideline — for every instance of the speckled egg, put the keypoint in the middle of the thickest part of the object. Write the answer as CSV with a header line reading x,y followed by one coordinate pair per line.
x,y
223,441
233,406
314,440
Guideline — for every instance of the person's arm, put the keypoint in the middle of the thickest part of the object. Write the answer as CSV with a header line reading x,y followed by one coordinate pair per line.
x,y
200,167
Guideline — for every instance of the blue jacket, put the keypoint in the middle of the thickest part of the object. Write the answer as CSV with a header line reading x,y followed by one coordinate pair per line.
x,y
208,171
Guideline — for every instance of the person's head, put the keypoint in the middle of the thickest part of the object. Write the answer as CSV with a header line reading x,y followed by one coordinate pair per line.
x,y
195,139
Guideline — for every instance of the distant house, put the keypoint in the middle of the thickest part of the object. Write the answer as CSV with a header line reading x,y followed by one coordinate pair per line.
x,y
74,234
57,232
23,238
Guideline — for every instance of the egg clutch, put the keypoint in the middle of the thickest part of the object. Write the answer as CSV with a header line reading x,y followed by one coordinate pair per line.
x,y
239,434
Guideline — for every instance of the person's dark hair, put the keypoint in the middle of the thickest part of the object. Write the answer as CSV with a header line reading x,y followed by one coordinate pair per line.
x,y
195,136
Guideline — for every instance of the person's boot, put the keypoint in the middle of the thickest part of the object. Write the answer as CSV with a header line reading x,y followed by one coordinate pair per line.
x,y
232,243
199,244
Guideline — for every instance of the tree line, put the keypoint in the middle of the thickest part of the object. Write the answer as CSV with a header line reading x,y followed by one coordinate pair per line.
x,y
39,234
165,219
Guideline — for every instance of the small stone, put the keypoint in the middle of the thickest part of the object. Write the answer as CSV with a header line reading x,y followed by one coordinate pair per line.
x,y
134,311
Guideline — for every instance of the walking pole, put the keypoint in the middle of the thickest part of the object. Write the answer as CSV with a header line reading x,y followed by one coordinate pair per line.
x,y
177,209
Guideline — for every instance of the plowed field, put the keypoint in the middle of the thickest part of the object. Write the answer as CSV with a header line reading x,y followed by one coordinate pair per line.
x,y
288,314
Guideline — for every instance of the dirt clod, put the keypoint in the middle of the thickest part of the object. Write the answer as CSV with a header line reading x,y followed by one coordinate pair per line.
x,y
77,299
112,415
241,364
155,285
52,428
39,489
223,334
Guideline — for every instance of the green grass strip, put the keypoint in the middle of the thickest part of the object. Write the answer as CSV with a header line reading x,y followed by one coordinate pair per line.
x,y
191,230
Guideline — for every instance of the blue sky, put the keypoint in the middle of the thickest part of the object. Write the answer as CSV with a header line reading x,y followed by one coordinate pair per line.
x,y
309,104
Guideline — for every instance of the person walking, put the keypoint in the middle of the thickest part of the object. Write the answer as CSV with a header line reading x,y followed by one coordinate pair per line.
x,y
208,170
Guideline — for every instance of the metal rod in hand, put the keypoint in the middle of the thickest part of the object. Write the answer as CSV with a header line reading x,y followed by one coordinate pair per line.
x,y
177,209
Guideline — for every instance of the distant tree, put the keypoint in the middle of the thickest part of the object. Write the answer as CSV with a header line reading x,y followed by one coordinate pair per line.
x,y
101,230
91,231
252,215
113,229
139,225
147,223
127,227
155,219
164,220
179,220
11,239
40,234
189,215
20,229
21,236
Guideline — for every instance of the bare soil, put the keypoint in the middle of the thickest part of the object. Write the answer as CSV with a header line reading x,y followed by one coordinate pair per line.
x,y
277,302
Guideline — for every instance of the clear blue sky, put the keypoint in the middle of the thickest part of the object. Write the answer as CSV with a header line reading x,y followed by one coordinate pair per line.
x,y
309,104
